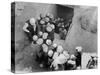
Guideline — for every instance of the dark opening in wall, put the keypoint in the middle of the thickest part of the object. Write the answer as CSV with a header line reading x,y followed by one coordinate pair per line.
x,y
64,12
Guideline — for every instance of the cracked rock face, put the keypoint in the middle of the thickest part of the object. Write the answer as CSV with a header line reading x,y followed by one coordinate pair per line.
x,y
84,29
87,18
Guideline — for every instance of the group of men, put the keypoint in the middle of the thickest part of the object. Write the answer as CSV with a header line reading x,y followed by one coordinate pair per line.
x,y
41,31
55,57
46,24
51,55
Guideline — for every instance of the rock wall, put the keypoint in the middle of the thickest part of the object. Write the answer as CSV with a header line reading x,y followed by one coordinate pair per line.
x,y
80,37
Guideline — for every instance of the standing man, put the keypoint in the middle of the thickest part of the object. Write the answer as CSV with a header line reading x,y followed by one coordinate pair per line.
x,y
30,28
78,55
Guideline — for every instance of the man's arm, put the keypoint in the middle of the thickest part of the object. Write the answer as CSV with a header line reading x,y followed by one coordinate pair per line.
x,y
25,27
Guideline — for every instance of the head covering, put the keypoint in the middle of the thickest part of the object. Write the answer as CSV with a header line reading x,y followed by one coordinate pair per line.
x,y
45,48
48,24
66,54
72,56
59,49
32,21
48,42
42,22
47,19
58,19
52,26
50,53
49,28
39,41
56,54
40,33
51,16
54,45
48,14
44,45
35,37
79,48
45,35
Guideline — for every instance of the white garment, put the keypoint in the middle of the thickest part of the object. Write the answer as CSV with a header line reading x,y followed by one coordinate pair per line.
x,y
61,59
25,27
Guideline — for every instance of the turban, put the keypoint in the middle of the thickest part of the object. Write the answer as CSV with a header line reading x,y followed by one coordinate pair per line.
x,y
54,45
45,35
72,56
40,33
48,42
49,28
66,54
39,41
42,22
52,26
35,37
46,19
45,48
50,53
49,15
56,54
59,49
32,21
79,49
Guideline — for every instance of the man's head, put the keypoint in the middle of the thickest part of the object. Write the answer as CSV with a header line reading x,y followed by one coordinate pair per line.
x,y
54,45
32,21
79,49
